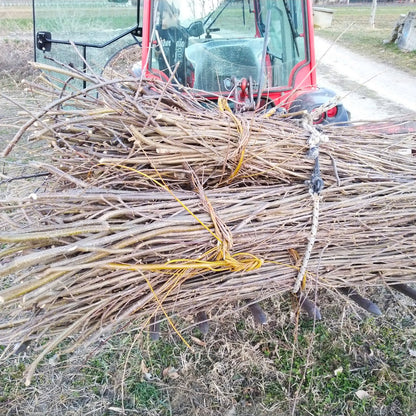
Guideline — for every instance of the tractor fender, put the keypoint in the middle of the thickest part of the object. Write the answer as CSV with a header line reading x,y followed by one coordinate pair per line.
x,y
315,98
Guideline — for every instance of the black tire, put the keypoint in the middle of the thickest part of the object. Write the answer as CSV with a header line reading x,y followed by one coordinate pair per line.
x,y
121,63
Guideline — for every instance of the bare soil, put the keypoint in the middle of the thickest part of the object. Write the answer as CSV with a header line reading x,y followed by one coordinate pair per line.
x,y
15,13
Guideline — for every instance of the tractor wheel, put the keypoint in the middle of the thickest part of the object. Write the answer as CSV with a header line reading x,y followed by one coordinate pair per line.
x,y
121,63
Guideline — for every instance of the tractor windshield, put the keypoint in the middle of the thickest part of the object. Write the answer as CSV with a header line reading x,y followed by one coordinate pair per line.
x,y
209,45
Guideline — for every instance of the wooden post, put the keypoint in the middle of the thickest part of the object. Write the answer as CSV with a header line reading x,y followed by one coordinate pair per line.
x,y
373,14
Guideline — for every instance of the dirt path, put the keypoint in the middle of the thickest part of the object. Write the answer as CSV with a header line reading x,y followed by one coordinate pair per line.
x,y
370,90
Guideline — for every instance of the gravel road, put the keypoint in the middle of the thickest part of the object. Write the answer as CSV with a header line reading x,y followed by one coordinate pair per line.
x,y
369,90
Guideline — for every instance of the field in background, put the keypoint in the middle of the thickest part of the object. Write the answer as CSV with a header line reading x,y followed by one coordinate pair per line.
x,y
349,364
350,25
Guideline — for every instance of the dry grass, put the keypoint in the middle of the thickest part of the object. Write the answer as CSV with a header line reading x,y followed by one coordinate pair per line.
x,y
237,369
14,59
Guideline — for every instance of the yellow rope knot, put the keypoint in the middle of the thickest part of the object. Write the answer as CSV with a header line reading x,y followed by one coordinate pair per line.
x,y
243,262
240,262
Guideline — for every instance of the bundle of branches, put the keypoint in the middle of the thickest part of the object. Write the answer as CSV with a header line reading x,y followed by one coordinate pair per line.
x,y
157,204
163,133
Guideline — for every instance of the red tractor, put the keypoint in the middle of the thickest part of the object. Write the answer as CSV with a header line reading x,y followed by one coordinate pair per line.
x,y
257,53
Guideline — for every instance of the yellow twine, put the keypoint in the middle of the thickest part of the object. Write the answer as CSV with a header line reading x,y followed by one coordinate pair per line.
x,y
234,263
223,106
270,113
164,313
216,259
238,167
168,190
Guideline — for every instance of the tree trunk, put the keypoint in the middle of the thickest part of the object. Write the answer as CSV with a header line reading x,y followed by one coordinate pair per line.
x,y
373,14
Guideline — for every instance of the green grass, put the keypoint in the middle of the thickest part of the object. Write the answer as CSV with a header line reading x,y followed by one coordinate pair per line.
x,y
75,21
315,369
68,20
351,27
23,24
11,381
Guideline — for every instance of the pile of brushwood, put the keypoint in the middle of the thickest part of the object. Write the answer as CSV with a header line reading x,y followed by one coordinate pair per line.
x,y
158,203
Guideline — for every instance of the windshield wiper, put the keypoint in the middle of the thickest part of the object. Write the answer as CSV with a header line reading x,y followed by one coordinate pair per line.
x,y
217,16
295,34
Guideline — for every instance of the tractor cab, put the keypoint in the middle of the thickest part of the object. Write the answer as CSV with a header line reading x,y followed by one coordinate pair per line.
x,y
232,45
257,53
